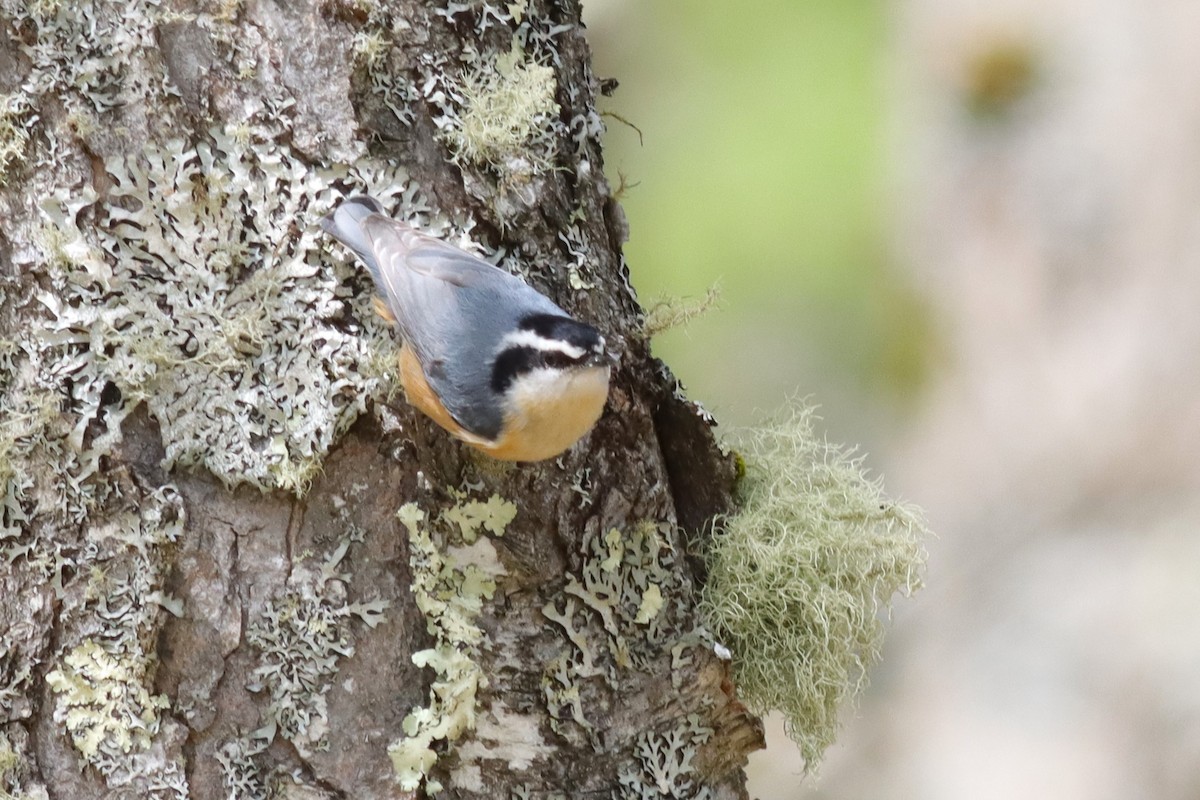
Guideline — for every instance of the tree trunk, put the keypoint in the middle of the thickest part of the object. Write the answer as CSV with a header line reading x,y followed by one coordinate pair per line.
x,y
235,563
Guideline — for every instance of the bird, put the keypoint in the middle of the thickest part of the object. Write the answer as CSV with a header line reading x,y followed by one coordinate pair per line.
x,y
487,357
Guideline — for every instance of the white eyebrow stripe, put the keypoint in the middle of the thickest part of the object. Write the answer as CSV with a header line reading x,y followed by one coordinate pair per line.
x,y
532,339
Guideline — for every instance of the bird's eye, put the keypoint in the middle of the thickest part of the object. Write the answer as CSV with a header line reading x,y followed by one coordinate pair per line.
x,y
559,360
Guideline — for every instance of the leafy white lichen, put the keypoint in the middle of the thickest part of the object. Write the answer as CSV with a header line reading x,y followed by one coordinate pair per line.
x,y
205,295
16,120
302,637
662,765
622,609
18,768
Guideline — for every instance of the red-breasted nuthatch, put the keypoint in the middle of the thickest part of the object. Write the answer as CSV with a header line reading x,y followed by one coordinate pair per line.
x,y
487,357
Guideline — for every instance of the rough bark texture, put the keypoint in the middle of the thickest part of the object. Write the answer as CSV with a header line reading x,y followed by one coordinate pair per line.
x,y
208,591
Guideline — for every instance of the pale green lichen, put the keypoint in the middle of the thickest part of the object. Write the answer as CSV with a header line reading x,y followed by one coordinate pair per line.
x,y
498,111
800,578
506,115
103,701
102,681
622,609
662,765
450,584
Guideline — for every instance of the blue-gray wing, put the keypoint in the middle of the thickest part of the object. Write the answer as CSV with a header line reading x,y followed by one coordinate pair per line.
x,y
453,309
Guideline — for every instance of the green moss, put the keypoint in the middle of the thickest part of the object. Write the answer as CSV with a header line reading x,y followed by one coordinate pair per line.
x,y
800,579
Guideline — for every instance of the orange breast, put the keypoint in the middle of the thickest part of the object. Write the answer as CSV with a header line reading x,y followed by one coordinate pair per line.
x,y
421,394
547,414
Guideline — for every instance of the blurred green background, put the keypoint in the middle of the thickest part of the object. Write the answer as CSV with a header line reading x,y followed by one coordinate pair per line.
x,y
761,168
759,164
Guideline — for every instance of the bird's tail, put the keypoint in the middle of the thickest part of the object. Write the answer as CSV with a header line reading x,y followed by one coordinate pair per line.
x,y
344,223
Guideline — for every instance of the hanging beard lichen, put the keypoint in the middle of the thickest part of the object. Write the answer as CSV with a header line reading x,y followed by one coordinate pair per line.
x,y
800,578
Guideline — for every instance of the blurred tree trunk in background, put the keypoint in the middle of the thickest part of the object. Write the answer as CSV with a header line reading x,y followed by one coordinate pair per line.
x,y
1048,212
223,541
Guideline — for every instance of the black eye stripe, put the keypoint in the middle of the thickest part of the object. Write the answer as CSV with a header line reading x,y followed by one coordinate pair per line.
x,y
558,360
513,362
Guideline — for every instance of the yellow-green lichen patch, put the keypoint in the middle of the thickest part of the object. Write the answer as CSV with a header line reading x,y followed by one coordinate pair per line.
x,y
101,683
450,584
799,578
103,701
652,602
493,515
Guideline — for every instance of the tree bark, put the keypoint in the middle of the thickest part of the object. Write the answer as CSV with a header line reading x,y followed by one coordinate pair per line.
x,y
234,564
